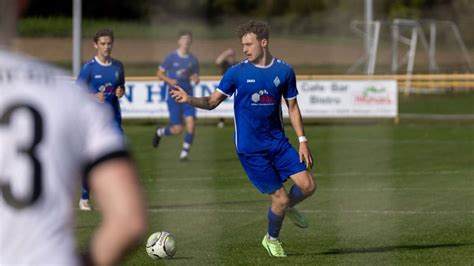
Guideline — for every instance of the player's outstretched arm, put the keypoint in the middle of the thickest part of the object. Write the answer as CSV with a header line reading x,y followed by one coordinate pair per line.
x,y
161,73
208,103
224,55
118,195
297,123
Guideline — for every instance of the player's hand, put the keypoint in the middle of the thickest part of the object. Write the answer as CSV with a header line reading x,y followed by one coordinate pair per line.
x,y
195,79
229,52
173,82
119,92
178,94
305,155
100,96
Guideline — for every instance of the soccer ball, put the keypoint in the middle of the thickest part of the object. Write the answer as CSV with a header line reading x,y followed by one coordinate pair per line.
x,y
161,245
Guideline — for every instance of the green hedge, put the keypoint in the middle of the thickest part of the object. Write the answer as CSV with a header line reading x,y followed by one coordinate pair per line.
x,y
62,27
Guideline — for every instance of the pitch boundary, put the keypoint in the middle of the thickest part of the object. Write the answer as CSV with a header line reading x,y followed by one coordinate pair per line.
x,y
364,212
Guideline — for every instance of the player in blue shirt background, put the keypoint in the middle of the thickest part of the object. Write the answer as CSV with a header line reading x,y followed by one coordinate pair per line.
x,y
181,68
103,76
258,84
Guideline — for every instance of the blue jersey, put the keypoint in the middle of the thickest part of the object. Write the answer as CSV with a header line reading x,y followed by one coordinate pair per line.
x,y
257,103
181,68
99,77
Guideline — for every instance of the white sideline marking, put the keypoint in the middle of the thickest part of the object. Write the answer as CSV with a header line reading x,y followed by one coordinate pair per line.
x,y
384,212
441,172
381,189
407,173
402,141
439,116
349,189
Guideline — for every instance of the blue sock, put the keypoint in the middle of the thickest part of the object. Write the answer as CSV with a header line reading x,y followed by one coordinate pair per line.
x,y
188,138
85,190
163,131
274,223
295,195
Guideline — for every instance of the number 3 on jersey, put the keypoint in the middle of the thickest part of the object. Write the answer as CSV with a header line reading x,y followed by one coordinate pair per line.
x,y
29,151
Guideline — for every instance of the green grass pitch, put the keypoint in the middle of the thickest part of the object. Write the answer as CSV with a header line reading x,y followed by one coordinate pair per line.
x,y
387,195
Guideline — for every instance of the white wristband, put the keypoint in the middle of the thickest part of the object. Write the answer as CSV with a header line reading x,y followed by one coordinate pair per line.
x,y
302,139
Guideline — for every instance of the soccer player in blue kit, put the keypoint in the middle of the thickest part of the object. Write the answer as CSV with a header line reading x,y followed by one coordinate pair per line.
x,y
258,84
103,76
179,68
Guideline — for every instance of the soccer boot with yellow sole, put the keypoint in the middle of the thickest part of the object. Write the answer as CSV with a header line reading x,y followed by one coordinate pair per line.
x,y
273,247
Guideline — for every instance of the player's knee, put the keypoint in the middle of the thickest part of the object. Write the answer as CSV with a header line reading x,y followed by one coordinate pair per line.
x,y
175,130
309,187
282,202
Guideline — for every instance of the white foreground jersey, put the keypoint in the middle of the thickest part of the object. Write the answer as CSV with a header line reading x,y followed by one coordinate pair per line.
x,y
51,133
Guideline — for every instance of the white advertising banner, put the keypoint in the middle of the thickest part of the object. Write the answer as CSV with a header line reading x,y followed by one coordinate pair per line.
x,y
147,99
348,98
317,99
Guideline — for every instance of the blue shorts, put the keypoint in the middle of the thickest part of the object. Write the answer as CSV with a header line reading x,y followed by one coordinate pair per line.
x,y
267,172
179,110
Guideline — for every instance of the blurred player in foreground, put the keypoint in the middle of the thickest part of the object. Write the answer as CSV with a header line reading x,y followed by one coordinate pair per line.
x,y
179,68
103,76
50,135
258,84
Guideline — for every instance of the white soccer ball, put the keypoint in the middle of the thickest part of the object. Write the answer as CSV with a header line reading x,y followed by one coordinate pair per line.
x,y
161,245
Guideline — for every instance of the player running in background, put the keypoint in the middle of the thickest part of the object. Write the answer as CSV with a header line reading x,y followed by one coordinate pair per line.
x,y
51,134
103,76
258,84
225,60
179,68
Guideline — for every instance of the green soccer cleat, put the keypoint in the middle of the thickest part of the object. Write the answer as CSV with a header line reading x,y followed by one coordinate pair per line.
x,y
296,217
273,247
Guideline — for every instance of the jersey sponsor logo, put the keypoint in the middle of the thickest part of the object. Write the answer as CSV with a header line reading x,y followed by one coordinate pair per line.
x,y
262,97
255,97
175,64
250,80
182,73
98,76
276,81
107,88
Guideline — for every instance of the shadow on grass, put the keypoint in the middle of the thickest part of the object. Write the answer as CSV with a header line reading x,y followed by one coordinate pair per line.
x,y
182,258
343,251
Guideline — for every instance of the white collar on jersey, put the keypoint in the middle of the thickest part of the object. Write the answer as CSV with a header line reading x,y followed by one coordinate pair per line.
x,y
267,66
102,64
182,55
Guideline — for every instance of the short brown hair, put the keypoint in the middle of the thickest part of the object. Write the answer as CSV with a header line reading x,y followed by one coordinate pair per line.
x,y
102,33
182,33
259,28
